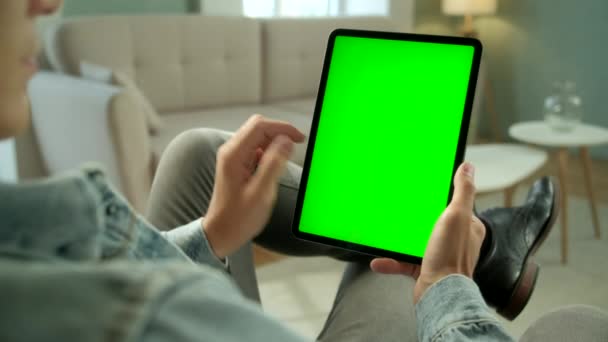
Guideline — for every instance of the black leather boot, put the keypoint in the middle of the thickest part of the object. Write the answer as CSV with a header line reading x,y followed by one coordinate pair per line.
x,y
506,274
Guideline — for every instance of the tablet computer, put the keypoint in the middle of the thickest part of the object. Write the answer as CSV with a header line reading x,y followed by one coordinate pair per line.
x,y
388,133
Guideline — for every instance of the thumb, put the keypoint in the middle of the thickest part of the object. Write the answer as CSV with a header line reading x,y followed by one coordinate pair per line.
x,y
464,187
272,163
391,266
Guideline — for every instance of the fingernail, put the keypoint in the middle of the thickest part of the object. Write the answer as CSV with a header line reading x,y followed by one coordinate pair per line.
x,y
469,169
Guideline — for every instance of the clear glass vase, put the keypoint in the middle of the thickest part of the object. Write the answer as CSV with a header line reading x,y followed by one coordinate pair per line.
x,y
563,108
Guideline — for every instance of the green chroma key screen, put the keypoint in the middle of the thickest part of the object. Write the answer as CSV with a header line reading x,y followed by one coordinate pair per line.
x,y
386,142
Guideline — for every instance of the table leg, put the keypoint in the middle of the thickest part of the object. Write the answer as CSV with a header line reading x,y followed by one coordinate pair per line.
x,y
587,171
508,193
563,174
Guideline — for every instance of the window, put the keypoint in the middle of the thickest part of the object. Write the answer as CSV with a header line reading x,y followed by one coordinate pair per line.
x,y
315,8
259,8
366,7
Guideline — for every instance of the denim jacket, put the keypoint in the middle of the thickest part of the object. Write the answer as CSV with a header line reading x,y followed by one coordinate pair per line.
x,y
76,263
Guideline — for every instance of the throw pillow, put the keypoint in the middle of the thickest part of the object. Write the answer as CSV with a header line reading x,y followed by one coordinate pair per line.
x,y
95,72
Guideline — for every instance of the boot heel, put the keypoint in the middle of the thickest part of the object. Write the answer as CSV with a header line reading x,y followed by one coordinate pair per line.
x,y
522,292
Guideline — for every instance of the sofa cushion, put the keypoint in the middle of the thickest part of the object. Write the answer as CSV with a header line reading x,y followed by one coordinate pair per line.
x,y
179,62
294,50
229,119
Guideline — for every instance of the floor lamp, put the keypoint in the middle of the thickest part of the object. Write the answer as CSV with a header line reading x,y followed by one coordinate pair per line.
x,y
468,9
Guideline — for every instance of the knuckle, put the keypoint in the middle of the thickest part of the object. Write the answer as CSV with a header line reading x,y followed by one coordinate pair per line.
x,y
279,159
454,215
478,227
257,119
273,163
479,230
450,216
469,186
223,154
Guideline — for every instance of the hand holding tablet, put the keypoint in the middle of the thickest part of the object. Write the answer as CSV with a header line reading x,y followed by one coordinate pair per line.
x,y
388,132
455,243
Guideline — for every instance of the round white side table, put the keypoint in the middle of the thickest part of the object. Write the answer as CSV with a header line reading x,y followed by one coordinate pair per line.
x,y
583,136
492,160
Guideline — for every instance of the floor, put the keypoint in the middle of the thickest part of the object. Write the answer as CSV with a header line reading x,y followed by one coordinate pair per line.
x,y
302,298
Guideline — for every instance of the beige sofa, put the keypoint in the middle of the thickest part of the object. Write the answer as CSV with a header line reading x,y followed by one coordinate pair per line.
x,y
197,71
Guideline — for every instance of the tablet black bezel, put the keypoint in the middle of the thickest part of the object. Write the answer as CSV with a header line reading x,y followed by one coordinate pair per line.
x,y
460,150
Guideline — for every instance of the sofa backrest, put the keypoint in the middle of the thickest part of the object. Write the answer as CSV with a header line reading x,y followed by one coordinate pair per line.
x,y
179,62
293,52
188,62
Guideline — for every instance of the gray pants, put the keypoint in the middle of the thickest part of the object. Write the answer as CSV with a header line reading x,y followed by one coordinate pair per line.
x,y
368,306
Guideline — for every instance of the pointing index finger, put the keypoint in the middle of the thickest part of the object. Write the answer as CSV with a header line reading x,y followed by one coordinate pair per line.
x,y
258,132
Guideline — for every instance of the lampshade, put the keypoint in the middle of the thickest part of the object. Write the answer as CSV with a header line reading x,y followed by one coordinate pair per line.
x,y
468,7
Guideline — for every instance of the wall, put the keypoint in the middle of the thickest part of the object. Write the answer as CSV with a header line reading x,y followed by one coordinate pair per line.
x,y
97,7
402,12
223,7
530,44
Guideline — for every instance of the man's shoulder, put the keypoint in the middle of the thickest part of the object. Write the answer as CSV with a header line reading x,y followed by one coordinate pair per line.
x,y
57,299
136,272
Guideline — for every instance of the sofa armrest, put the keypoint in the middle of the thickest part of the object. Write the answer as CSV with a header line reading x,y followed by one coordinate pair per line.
x,y
77,121
133,149
71,122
